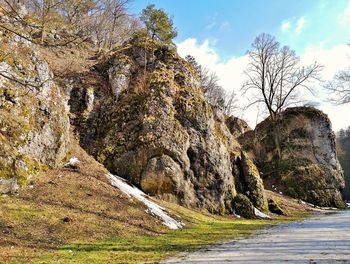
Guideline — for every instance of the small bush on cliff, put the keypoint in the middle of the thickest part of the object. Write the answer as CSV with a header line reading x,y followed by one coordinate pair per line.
x,y
243,206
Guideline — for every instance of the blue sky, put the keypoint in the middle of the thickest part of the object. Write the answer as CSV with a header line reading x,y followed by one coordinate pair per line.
x,y
233,25
219,33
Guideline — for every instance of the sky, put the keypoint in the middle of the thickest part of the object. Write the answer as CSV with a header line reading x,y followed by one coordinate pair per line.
x,y
219,34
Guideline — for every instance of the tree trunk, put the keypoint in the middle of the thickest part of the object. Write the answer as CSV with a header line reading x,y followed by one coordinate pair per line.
x,y
43,25
277,141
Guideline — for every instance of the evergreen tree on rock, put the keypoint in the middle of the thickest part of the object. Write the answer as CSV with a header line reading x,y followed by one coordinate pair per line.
x,y
158,24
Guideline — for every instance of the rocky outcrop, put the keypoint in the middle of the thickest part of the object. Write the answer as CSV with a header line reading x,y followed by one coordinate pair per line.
x,y
237,126
154,128
309,168
34,125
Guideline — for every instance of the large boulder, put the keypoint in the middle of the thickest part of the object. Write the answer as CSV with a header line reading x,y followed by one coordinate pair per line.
x,y
34,125
155,129
309,169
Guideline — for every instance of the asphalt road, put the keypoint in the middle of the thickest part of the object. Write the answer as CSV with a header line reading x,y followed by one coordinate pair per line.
x,y
321,239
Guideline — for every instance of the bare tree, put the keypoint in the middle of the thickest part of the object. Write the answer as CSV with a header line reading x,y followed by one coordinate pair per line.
x,y
340,87
230,103
46,11
275,78
213,91
104,22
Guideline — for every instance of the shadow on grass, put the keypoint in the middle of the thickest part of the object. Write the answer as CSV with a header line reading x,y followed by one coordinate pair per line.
x,y
174,241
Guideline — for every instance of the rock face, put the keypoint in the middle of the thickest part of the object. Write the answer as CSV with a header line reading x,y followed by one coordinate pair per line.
x,y
237,126
155,129
34,125
309,168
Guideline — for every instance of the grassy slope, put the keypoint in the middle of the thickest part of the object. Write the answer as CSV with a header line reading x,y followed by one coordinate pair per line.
x,y
75,216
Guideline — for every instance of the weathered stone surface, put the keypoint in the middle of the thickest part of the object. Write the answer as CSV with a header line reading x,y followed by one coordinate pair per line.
x,y
8,185
158,131
309,168
34,125
237,126
250,182
164,178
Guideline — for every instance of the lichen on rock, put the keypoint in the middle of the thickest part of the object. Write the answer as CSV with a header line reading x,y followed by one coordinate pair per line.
x,y
34,126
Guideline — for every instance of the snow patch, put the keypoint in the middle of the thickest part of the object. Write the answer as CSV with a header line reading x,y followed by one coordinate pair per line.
x,y
153,208
72,162
236,215
318,207
260,214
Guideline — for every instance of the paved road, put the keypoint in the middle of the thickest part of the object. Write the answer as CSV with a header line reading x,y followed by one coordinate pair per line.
x,y
322,239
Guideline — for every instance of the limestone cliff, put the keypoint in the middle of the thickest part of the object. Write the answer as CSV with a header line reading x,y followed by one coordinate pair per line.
x,y
154,128
309,168
34,125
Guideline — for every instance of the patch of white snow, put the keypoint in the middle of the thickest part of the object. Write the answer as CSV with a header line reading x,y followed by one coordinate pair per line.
x,y
72,162
236,215
319,207
153,208
260,214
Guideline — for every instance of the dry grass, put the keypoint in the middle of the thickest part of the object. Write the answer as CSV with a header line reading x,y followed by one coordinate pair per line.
x,y
76,216
292,207
65,206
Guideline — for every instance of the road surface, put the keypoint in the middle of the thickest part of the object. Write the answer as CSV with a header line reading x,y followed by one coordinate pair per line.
x,y
321,239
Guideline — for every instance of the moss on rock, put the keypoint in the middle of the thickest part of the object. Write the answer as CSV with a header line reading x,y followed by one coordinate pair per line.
x,y
243,206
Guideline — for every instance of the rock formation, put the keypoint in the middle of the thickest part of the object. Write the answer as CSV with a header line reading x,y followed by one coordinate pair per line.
x,y
154,128
34,125
309,169
149,123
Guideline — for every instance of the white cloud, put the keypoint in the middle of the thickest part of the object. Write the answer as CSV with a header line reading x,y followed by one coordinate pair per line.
x,y
300,25
231,73
225,26
333,59
344,18
204,53
212,22
285,26
293,25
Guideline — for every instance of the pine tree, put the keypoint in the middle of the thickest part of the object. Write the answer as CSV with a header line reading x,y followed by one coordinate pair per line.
x,y
158,24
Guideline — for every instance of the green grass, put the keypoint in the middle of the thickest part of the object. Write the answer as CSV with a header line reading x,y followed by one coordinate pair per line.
x,y
205,231
151,249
